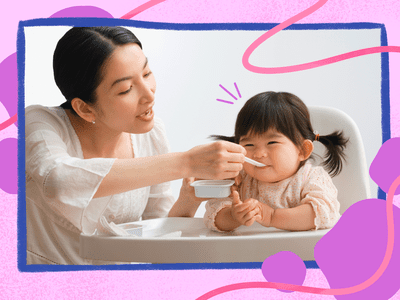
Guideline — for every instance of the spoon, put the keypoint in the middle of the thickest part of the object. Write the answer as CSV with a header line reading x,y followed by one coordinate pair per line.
x,y
253,162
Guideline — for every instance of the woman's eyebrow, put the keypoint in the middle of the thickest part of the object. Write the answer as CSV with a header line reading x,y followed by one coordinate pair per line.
x,y
129,77
121,79
145,63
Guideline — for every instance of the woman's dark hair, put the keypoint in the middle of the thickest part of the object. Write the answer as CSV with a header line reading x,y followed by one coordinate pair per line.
x,y
287,114
80,56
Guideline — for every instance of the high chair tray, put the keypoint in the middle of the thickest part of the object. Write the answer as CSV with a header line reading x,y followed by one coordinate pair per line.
x,y
197,244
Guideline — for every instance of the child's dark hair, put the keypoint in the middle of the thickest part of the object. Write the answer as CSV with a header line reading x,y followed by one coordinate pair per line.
x,y
287,114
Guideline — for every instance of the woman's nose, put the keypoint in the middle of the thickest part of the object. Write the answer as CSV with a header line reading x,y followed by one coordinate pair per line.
x,y
147,92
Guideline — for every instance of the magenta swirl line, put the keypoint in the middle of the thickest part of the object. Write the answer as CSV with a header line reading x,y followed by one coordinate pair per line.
x,y
321,291
323,62
8,122
141,8
305,66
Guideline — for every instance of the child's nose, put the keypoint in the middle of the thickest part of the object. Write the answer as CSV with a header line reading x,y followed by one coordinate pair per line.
x,y
260,153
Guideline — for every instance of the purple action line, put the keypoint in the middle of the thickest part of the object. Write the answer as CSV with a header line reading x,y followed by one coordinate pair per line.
x,y
240,96
227,92
225,101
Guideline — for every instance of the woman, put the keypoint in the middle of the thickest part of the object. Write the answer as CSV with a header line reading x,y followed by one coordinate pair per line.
x,y
103,153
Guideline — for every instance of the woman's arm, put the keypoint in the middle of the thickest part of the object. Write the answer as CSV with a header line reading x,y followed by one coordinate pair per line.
x,y
187,203
218,160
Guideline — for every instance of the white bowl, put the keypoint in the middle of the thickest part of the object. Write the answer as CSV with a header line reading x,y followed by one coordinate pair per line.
x,y
212,188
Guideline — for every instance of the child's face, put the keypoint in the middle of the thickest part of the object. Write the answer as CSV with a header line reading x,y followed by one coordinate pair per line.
x,y
280,155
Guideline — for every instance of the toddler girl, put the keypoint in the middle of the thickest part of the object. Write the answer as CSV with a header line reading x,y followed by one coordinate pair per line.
x,y
288,193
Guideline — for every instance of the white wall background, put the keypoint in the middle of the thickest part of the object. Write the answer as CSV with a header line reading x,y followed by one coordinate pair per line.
x,y
190,65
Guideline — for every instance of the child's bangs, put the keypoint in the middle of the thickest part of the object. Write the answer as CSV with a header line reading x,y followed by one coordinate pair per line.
x,y
258,117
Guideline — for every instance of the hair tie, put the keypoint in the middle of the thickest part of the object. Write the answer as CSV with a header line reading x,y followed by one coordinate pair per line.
x,y
316,138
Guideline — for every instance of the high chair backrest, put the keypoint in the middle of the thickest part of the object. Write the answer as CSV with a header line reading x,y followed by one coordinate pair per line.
x,y
353,182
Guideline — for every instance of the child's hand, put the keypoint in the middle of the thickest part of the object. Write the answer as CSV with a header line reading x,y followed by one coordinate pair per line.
x,y
247,212
265,214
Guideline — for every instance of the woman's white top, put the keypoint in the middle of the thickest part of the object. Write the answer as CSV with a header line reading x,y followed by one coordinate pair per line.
x,y
60,185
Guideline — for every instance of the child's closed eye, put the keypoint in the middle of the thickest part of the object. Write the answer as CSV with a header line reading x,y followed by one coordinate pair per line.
x,y
272,142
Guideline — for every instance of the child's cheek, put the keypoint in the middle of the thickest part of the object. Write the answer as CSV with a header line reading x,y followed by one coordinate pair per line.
x,y
249,169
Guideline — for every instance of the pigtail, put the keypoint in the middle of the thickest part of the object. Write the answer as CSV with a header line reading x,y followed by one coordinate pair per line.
x,y
334,156
223,138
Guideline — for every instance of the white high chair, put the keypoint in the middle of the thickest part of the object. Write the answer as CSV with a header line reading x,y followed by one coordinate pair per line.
x,y
197,244
353,182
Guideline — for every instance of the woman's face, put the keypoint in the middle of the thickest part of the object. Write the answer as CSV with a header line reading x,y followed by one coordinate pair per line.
x,y
125,96
280,155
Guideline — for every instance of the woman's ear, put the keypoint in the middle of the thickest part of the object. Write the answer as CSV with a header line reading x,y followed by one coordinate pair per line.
x,y
84,110
307,149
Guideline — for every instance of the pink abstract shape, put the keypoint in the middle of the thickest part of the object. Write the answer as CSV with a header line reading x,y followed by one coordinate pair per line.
x,y
352,251
8,67
9,122
8,163
359,287
286,267
9,87
82,12
386,165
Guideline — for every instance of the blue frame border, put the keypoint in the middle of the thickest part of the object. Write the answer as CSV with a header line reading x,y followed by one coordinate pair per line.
x,y
86,22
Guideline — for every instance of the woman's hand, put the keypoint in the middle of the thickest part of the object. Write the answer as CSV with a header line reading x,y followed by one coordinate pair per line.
x,y
235,186
187,203
187,191
218,160
245,213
